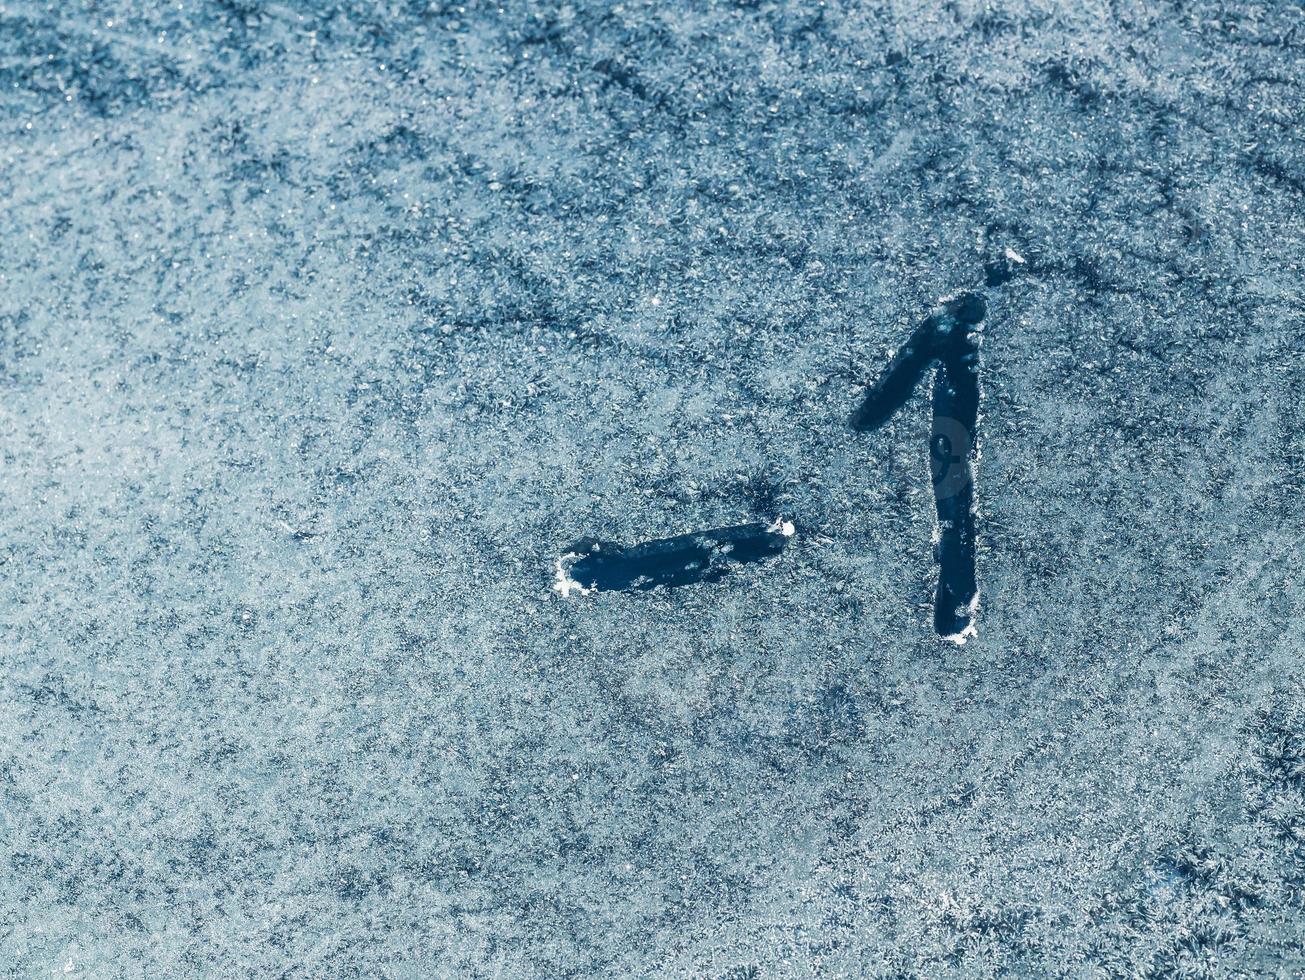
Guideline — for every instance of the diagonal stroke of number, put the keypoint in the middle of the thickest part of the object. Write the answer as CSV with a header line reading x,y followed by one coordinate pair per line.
x,y
947,339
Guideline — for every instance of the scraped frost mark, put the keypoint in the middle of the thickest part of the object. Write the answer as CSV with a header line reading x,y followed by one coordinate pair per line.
x,y
780,526
563,583
702,556
971,614
949,339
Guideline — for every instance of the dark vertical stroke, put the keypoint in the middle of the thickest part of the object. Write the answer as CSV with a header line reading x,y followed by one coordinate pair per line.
x,y
951,439
945,338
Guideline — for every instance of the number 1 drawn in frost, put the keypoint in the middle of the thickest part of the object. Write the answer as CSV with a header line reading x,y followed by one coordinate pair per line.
x,y
947,338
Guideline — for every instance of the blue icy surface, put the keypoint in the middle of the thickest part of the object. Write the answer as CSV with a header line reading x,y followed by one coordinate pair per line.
x,y
324,327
